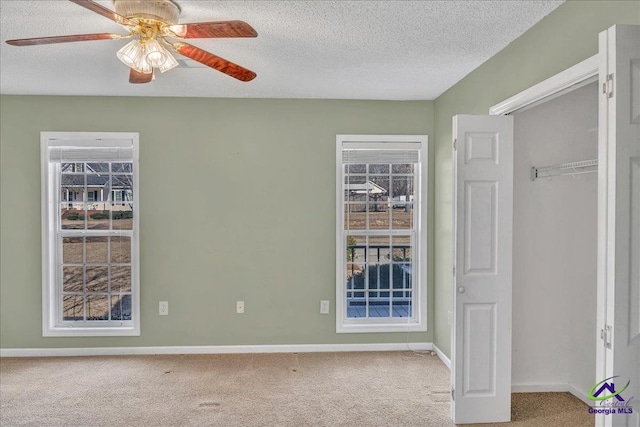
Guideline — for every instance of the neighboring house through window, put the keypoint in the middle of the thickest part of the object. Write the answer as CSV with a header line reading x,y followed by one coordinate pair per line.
x,y
381,233
90,242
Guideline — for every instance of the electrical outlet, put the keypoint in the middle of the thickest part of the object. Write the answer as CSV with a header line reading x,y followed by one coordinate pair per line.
x,y
239,307
324,306
163,309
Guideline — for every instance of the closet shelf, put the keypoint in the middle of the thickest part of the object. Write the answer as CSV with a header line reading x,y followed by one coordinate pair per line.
x,y
573,168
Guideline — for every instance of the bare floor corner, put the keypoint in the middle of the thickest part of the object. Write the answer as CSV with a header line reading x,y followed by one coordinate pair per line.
x,y
547,410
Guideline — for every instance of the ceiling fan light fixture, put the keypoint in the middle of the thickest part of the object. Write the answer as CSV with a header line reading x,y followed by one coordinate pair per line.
x,y
131,53
155,54
169,64
142,65
150,23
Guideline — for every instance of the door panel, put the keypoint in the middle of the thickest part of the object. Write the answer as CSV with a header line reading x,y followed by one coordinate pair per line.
x,y
634,288
479,352
483,195
480,233
619,232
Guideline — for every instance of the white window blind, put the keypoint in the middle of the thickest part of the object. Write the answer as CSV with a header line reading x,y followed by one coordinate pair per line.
x,y
72,154
380,156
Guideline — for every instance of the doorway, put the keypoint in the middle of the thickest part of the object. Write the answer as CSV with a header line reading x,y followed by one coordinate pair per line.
x,y
555,208
484,246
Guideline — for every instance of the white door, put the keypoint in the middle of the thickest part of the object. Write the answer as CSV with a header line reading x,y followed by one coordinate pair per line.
x,y
483,198
619,225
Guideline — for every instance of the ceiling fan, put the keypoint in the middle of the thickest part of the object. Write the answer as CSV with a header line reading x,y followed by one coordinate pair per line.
x,y
152,24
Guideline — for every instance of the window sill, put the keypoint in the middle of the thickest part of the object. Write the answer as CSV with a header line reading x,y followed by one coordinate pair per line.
x,y
358,328
71,331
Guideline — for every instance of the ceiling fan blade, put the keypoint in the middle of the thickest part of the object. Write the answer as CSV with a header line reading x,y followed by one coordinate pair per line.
x,y
138,77
63,39
107,13
211,30
215,62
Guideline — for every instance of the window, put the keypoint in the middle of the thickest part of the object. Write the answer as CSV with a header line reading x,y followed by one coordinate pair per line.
x,y
381,233
90,242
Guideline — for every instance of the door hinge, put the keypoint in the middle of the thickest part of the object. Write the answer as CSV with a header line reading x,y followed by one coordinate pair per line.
x,y
454,271
453,394
607,86
605,335
455,144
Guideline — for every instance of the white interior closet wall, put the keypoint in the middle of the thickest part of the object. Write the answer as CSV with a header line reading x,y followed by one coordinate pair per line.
x,y
554,246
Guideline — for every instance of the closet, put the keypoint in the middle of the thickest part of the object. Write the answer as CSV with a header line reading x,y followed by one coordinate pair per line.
x,y
546,278
555,194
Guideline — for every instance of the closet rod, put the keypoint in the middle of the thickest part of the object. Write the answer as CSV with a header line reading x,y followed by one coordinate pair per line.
x,y
573,168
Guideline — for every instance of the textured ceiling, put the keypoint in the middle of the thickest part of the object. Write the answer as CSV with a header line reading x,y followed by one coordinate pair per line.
x,y
394,50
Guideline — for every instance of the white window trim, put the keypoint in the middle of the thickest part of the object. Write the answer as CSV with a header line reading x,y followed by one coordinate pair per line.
x,y
51,326
417,323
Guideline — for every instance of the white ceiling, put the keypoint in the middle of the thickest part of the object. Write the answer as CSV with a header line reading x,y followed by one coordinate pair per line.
x,y
396,50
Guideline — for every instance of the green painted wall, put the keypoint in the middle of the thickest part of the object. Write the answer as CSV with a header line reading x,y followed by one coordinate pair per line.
x,y
237,196
237,203
564,38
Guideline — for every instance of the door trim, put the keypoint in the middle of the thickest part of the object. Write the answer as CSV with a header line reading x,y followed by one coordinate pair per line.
x,y
586,72
572,78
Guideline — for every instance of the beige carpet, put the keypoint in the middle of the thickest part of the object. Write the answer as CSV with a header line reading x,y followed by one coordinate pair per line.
x,y
306,389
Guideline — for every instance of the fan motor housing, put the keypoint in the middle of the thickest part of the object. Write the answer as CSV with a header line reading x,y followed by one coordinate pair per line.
x,y
162,10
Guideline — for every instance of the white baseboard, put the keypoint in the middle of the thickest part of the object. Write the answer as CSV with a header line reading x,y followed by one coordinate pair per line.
x,y
580,395
545,388
213,349
539,388
442,356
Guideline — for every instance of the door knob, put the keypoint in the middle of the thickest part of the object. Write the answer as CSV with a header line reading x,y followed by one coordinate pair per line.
x,y
461,290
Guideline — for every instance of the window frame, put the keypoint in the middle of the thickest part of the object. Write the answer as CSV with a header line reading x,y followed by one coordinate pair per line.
x,y
418,321
52,323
